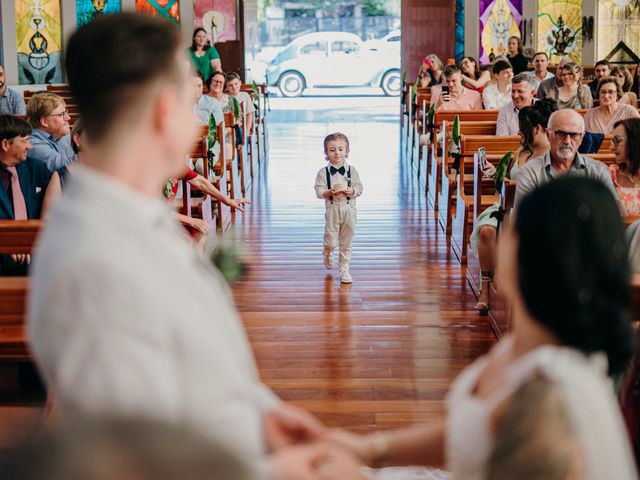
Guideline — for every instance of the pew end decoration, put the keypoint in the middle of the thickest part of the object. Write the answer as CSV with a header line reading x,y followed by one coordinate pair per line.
x,y
454,149
226,255
501,171
212,138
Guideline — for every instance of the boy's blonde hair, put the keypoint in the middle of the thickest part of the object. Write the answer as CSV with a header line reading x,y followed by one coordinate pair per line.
x,y
336,137
534,438
40,105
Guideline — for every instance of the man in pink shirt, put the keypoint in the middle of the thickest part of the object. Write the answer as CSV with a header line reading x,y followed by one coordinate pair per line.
x,y
457,97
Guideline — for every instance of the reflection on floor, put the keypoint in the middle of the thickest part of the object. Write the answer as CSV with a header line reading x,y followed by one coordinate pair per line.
x,y
379,353
382,351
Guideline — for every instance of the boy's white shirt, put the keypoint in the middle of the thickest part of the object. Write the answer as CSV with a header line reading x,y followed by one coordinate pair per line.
x,y
321,184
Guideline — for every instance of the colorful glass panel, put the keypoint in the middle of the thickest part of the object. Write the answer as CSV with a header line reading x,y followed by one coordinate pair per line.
x,y
218,18
560,29
459,30
39,41
499,20
87,10
169,9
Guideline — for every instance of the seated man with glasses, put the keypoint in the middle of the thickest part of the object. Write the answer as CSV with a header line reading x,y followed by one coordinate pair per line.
x,y
51,140
565,132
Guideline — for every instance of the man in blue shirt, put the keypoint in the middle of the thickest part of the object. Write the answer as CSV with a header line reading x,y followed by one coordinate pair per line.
x,y
47,114
10,100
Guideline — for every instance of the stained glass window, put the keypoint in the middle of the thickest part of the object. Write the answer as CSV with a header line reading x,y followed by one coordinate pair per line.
x,y
218,18
560,29
39,41
87,10
459,30
499,20
165,8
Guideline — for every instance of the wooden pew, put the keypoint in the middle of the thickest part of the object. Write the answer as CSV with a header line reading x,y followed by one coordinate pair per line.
x,y
16,236
200,206
468,179
233,174
253,138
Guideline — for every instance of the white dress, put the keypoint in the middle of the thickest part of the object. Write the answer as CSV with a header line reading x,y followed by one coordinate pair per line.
x,y
590,401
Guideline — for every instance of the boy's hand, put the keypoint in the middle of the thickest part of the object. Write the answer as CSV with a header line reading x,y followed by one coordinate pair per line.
x,y
330,193
349,192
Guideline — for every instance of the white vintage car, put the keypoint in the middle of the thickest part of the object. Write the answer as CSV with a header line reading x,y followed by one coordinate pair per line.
x,y
333,59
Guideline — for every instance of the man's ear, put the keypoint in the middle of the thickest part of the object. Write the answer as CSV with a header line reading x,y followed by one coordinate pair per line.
x,y
4,145
163,105
43,123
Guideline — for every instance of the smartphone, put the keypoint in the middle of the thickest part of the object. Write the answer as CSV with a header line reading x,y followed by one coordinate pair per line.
x,y
445,93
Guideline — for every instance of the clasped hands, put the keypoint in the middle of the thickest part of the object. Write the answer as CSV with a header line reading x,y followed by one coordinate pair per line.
x,y
301,448
332,193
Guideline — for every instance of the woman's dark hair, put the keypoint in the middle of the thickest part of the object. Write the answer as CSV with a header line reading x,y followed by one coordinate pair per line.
x,y
536,115
76,130
573,264
632,128
476,67
193,47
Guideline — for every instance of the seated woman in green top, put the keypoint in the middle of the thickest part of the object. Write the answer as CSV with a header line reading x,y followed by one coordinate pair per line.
x,y
205,57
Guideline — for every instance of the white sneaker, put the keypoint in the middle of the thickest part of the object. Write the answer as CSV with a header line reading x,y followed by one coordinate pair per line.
x,y
328,262
345,277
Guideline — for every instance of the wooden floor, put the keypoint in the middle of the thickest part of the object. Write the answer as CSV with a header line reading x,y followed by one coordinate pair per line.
x,y
382,351
379,353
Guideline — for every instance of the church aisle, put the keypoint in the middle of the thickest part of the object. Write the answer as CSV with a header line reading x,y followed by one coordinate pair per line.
x,y
382,351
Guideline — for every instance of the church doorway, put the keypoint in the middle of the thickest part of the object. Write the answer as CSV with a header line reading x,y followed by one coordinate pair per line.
x,y
324,47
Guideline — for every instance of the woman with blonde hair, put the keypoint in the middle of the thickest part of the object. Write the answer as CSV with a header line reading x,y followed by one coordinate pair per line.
x,y
572,94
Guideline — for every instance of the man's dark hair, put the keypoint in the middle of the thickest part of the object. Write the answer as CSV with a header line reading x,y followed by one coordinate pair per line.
x,y
449,70
114,60
12,127
602,62
541,53
500,65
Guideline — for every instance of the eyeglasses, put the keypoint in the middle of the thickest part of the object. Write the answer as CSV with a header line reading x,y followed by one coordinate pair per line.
x,y
618,140
566,75
562,135
62,114
217,82
608,92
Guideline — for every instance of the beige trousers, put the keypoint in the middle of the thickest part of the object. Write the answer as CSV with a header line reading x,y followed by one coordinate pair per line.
x,y
340,225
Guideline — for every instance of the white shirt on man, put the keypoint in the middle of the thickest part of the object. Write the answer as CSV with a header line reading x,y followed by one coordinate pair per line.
x,y
492,98
125,318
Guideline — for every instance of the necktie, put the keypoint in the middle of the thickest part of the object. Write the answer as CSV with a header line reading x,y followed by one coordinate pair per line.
x,y
335,170
19,207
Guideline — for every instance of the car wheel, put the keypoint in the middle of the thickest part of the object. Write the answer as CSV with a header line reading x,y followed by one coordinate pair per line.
x,y
291,84
391,83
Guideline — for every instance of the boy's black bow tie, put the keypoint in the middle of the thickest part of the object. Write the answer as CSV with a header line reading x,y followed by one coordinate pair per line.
x,y
335,170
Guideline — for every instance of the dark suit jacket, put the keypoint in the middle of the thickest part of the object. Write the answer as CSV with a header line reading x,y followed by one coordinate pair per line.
x,y
34,178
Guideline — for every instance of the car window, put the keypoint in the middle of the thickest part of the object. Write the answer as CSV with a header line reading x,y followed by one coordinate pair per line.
x,y
344,46
395,38
315,48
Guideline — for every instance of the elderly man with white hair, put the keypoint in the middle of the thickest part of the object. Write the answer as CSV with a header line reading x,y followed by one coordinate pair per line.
x,y
565,132
523,89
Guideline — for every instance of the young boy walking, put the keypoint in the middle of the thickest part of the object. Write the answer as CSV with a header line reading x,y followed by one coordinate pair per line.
x,y
338,184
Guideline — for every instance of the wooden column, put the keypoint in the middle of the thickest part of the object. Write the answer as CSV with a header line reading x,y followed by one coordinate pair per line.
x,y
428,26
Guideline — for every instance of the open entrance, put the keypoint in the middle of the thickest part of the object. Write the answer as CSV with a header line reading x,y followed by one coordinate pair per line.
x,y
325,47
